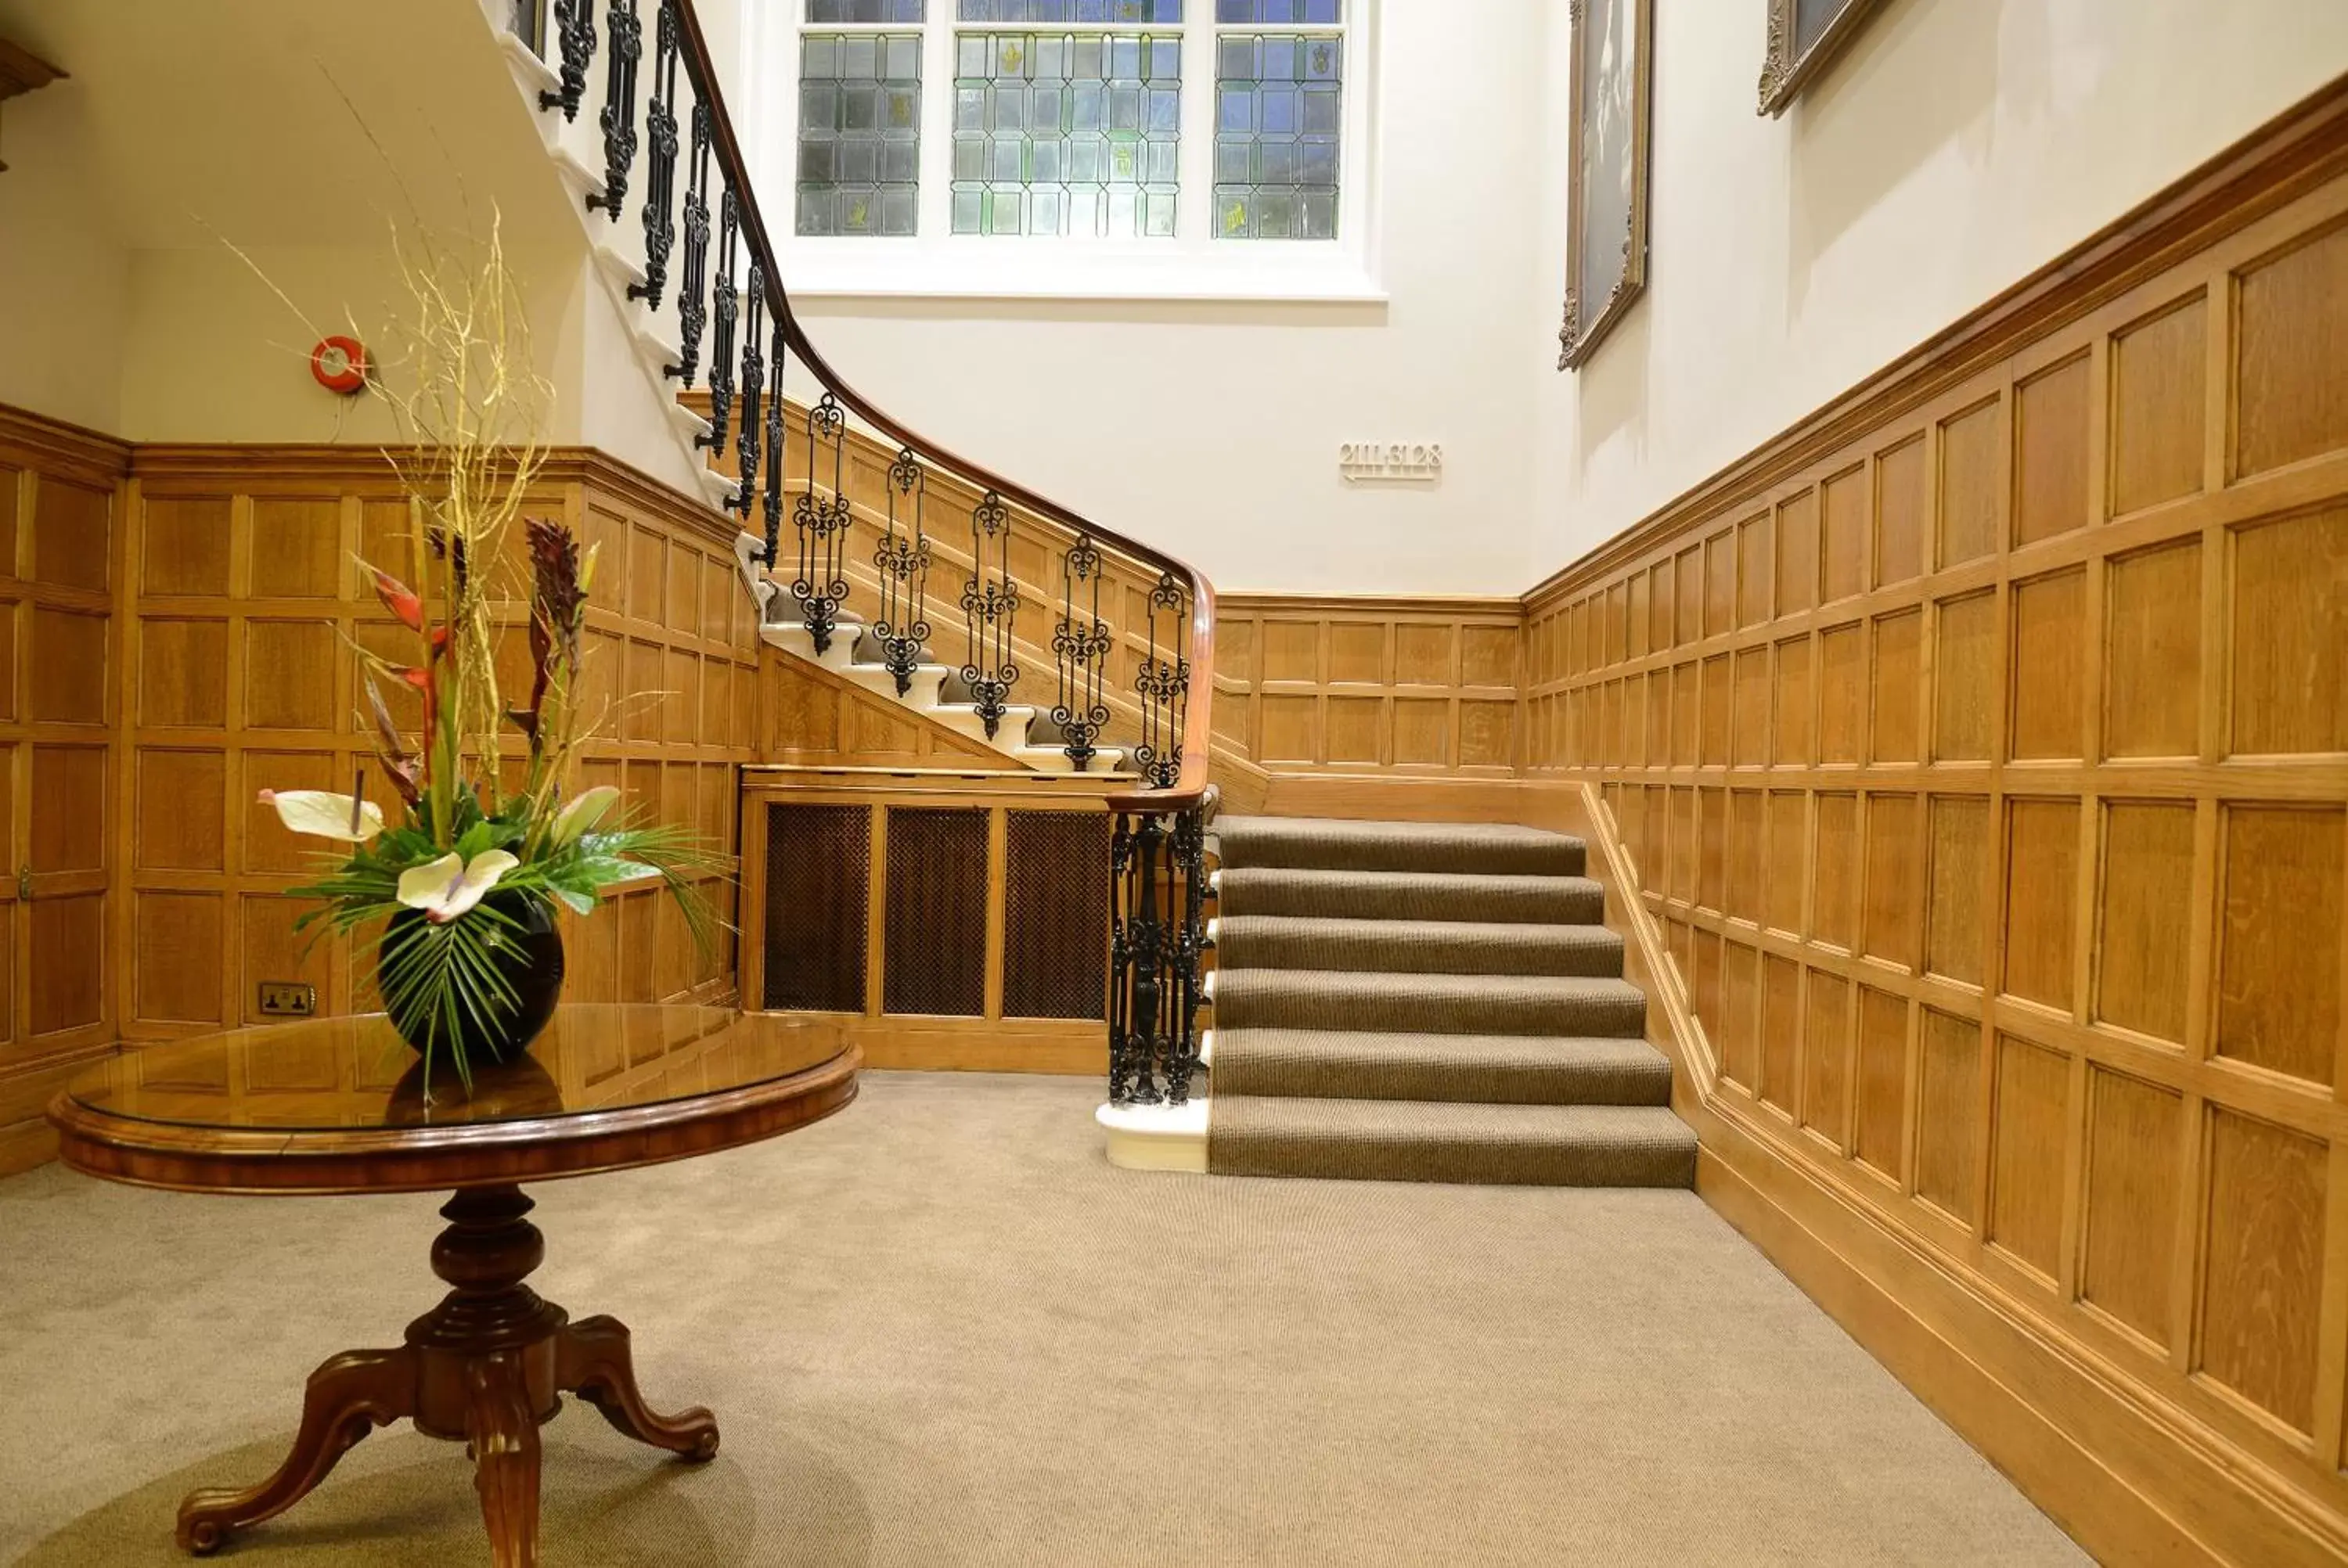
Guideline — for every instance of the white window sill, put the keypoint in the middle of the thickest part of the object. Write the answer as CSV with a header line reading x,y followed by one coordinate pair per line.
x,y
1014,270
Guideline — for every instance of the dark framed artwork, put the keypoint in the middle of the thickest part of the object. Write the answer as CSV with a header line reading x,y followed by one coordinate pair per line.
x,y
1606,232
1803,36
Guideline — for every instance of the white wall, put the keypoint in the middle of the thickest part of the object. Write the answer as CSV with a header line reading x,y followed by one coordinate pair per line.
x,y
1956,147
63,271
1212,430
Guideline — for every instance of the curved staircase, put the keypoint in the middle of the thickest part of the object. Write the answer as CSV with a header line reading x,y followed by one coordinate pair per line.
x,y
1422,1001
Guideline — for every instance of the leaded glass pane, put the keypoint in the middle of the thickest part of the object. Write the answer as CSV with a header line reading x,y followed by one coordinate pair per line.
x,y
889,11
1083,12
861,124
1277,119
1067,133
1279,12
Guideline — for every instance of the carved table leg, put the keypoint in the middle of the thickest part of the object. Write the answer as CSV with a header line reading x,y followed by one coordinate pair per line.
x,y
348,1398
488,1367
591,1360
501,1428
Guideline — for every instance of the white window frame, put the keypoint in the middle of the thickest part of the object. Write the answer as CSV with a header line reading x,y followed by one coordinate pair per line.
x,y
939,264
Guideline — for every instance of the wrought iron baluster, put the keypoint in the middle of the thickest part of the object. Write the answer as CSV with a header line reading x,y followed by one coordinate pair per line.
x,y
990,602
1163,685
689,309
726,305
822,523
1188,857
903,558
1144,930
626,47
754,382
660,178
775,452
574,23
1080,648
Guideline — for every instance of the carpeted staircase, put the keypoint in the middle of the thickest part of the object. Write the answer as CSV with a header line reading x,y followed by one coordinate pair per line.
x,y
1428,1001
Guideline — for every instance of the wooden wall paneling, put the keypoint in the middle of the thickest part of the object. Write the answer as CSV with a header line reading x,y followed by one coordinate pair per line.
x,y
2055,884
1406,684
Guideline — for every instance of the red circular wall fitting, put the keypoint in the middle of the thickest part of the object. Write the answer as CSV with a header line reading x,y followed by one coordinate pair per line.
x,y
340,364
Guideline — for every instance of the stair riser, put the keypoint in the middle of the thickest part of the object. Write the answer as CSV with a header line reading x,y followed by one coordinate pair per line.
x,y
1464,856
1267,1006
1565,1084
1536,1165
1247,892
1372,954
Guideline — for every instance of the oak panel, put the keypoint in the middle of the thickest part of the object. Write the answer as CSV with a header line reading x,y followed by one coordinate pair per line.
x,y
176,958
1895,884
1956,927
73,534
2025,1207
1794,706
1781,1027
2159,406
2291,315
68,819
1826,1058
2152,656
2051,451
2144,940
2042,870
182,672
1969,485
182,811
2048,683
1834,916
2279,939
66,937
1739,1004
1964,678
1948,1113
1843,528
2265,1224
1797,553
1901,510
289,675
1882,1079
67,666
1895,720
184,545
1842,694
2291,660
297,547
2129,1227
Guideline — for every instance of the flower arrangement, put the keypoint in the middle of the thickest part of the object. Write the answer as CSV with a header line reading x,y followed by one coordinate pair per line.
x,y
457,896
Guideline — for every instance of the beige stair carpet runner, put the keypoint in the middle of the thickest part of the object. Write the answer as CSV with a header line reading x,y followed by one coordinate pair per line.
x,y
1428,1001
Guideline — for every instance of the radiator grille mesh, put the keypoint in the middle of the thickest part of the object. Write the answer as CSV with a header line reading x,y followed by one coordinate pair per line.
x,y
1056,920
818,870
936,920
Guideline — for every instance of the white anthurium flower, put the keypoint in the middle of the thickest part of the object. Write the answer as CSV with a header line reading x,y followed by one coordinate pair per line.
x,y
451,885
322,814
583,812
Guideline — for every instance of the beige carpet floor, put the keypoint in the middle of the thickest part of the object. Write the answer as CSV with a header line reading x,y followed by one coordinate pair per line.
x,y
939,1329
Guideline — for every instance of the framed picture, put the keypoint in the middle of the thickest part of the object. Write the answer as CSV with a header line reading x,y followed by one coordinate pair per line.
x,y
1803,36
1606,232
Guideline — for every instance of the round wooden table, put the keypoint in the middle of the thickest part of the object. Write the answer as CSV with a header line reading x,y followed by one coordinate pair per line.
x,y
337,1106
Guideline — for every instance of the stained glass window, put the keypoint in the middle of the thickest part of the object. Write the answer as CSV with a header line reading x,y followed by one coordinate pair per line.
x,y
1101,13
1278,119
1279,13
890,11
1065,134
860,125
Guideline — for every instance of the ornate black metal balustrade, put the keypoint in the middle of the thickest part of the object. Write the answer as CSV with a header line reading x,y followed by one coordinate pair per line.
x,y
1139,674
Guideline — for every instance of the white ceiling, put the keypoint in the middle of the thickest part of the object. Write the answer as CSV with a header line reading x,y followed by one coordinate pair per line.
x,y
292,122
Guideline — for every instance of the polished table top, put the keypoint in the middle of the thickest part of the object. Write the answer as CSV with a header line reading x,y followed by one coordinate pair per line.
x,y
338,1104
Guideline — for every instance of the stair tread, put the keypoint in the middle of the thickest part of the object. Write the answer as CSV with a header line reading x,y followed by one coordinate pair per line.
x,y
1339,842
1493,1069
1423,1139
1230,982
1410,895
1417,947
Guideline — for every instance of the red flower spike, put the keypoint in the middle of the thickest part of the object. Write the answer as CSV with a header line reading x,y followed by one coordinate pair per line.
x,y
400,600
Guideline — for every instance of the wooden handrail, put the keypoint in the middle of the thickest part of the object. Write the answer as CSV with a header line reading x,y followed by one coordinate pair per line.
x,y
1190,788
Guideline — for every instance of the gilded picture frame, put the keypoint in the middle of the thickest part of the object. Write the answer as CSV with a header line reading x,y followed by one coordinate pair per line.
x,y
1613,77
1804,36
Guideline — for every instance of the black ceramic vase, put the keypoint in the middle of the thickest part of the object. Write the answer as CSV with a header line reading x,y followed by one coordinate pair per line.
x,y
530,962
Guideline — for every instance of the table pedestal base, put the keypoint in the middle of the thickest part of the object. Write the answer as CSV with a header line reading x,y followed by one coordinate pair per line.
x,y
488,1367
